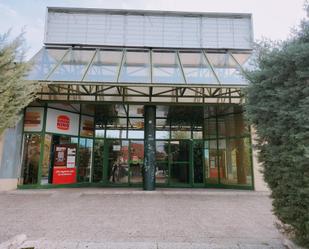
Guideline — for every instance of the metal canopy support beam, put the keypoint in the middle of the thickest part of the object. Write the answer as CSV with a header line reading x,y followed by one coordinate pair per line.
x,y
120,65
89,64
181,67
149,167
57,65
211,67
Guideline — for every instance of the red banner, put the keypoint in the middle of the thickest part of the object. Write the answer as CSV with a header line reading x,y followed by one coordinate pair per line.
x,y
64,175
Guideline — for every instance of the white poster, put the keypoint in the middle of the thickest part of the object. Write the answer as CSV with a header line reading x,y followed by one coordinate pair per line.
x,y
62,122
33,120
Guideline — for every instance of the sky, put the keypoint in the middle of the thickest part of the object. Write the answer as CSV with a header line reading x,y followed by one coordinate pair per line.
x,y
272,19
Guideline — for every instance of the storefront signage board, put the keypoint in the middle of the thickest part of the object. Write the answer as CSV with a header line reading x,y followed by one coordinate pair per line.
x,y
33,120
62,122
87,126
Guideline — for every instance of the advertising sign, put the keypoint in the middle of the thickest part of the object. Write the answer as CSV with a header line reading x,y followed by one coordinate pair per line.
x,y
62,122
64,171
87,126
64,175
33,120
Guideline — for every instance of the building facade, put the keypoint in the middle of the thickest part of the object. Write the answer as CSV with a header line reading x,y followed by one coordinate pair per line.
x,y
139,98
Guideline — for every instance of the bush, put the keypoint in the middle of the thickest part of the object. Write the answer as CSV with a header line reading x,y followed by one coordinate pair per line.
x,y
278,106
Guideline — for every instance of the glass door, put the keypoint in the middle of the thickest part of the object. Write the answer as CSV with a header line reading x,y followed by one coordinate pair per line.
x,y
117,161
136,161
179,162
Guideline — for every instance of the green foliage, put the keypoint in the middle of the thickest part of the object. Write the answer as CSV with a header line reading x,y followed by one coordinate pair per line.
x,y
15,92
278,106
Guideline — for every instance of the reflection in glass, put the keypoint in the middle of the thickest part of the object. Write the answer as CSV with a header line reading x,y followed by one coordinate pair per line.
x,y
161,172
31,158
166,68
136,67
85,159
98,153
162,134
116,133
136,110
236,168
161,150
136,161
196,69
46,159
73,66
211,161
136,134
118,159
232,125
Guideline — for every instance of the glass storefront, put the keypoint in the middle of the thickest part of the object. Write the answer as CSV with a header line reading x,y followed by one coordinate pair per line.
x,y
196,146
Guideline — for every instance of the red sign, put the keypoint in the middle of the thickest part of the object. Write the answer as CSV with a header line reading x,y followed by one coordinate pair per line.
x,y
64,175
63,122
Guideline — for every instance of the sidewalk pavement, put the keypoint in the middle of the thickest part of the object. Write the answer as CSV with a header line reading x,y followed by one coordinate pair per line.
x,y
131,218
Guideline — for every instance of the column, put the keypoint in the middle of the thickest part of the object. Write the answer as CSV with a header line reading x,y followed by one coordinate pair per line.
x,y
150,148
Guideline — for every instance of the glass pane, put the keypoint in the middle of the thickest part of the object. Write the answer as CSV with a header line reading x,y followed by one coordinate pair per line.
x,y
85,159
226,68
180,173
73,66
197,134
161,172
166,68
46,165
116,123
136,134
211,161
98,153
182,133
162,111
236,169
100,133
118,161
31,158
198,161
162,134
161,150
196,69
136,161
44,62
105,66
180,150
136,110
135,67
116,133
210,128
232,125
136,123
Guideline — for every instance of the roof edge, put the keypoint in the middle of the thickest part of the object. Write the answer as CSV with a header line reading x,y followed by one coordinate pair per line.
x,y
147,12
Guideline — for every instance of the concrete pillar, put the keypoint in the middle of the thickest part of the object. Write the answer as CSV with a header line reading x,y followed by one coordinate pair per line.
x,y
150,148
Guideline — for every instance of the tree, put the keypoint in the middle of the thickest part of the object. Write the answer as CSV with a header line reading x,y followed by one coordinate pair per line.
x,y
278,106
15,92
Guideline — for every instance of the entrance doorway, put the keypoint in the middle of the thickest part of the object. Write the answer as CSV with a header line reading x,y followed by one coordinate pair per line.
x,y
120,162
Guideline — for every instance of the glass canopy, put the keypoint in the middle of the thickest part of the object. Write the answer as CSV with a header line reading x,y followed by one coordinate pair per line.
x,y
139,66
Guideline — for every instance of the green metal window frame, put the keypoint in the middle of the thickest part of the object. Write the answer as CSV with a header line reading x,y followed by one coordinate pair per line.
x,y
168,183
